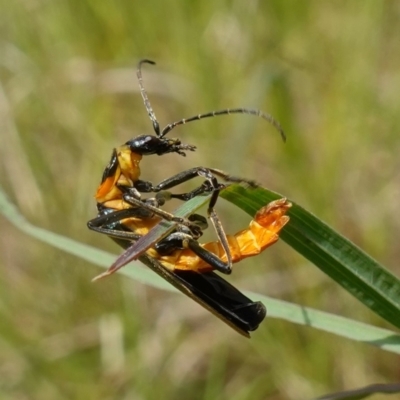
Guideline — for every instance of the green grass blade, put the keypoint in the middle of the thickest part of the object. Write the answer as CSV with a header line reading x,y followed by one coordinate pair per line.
x,y
86,252
341,326
336,256
363,393
344,327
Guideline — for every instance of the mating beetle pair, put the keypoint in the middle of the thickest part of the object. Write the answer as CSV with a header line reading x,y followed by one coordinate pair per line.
x,y
128,218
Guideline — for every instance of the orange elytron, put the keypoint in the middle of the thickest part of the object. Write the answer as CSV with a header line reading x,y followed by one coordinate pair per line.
x,y
186,253
263,231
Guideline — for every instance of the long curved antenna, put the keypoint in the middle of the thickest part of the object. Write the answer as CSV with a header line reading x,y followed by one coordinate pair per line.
x,y
227,111
152,115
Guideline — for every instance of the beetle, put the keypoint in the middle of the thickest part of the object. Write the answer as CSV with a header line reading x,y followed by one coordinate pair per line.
x,y
133,221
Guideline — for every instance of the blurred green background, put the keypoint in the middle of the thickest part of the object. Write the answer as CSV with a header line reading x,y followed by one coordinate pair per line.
x,y
328,71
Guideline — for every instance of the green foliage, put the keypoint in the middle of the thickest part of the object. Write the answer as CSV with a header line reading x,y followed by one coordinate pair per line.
x,y
338,258
247,199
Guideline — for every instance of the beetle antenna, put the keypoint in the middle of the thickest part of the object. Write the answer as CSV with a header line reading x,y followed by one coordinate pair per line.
x,y
149,109
227,111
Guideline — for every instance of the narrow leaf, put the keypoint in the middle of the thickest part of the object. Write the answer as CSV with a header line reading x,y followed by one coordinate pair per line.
x,y
363,393
344,262
344,327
